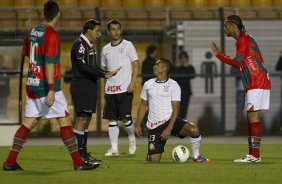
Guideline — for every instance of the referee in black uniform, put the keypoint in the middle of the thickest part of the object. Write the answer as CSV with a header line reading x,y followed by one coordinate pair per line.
x,y
84,82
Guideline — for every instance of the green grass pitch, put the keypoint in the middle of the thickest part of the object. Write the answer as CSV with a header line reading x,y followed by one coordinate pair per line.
x,y
52,164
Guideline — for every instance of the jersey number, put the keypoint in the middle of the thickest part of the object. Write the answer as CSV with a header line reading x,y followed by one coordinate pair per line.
x,y
33,48
35,69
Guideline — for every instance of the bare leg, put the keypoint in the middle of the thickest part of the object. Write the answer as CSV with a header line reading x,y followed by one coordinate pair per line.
x,y
155,158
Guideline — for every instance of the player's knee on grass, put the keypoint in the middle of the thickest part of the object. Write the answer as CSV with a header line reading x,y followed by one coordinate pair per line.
x,y
155,158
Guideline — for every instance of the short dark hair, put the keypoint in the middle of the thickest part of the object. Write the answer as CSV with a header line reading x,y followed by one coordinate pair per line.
x,y
237,21
183,54
90,24
168,65
114,21
51,9
150,49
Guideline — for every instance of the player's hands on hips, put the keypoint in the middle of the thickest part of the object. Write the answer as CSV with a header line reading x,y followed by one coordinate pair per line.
x,y
112,73
215,49
50,98
166,134
138,131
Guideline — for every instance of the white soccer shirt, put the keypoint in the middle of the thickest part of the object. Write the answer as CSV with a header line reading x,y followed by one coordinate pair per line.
x,y
113,57
159,97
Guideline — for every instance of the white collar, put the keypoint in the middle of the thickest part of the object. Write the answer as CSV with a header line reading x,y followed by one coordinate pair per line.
x,y
87,41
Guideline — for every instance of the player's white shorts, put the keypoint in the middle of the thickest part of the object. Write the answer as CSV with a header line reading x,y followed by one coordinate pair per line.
x,y
257,99
37,108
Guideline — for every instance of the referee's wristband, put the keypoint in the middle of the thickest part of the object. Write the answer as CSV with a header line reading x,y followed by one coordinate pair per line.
x,y
51,87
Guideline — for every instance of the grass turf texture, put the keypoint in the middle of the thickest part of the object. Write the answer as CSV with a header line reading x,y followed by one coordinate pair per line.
x,y
52,164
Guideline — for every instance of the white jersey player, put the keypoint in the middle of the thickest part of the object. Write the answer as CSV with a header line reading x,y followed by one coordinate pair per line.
x,y
119,53
161,95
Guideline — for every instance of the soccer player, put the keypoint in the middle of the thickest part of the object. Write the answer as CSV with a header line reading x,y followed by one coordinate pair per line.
x,y
161,95
255,79
84,82
119,88
44,96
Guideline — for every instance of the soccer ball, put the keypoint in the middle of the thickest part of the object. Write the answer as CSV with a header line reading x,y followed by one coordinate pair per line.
x,y
180,154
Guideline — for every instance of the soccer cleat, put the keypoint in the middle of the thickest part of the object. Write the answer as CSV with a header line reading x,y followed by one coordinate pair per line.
x,y
201,159
111,153
12,167
86,166
89,158
132,147
248,159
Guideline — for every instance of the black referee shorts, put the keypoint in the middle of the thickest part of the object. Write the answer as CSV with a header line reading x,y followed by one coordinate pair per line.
x,y
84,95
118,106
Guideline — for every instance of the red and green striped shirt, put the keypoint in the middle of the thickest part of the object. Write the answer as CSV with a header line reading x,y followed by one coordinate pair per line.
x,y
42,46
250,62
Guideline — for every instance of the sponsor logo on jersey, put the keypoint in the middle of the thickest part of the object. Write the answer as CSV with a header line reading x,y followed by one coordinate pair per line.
x,y
114,88
157,123
34,69
252,65
33,81
81,49
36,33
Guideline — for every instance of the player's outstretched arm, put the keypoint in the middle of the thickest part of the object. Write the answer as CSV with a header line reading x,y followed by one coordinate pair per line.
x,y
112,73
140,116
236,62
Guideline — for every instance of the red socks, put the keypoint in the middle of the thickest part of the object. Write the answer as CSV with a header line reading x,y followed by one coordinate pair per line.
x,y
254,139
71,144
19,140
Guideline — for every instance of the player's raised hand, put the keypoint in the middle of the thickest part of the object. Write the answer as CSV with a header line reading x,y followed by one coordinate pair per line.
x,y
112,73
50,98
138,131
215,49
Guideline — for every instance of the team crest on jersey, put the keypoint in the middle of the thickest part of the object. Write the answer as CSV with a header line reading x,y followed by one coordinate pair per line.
x,y
166,88
151,146
121,50
81,49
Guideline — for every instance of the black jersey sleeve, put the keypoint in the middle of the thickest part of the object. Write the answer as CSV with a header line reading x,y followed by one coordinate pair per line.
x,y
81,58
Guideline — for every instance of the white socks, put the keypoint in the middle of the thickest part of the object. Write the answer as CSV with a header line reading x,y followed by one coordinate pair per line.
x,y
130,130
113,135
195,146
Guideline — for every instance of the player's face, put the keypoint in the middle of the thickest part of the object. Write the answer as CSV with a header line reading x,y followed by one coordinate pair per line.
x,y
154,55
115,31
228,28
158,68
95,34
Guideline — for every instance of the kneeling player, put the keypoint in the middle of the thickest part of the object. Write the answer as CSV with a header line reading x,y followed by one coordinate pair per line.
x,y
162,97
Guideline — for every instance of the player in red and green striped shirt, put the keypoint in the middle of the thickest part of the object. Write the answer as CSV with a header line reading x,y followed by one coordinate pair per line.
x,y
44,96
255,79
